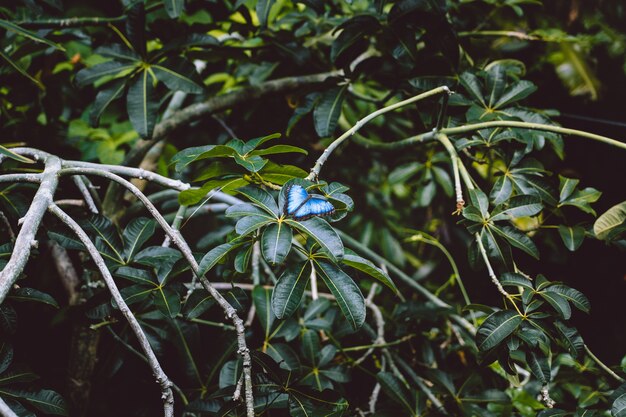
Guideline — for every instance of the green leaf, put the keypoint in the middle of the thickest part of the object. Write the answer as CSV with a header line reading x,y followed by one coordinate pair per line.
x,y
161,259
135,293
261,198
28,34
242,259
174,7
196,195
178,75
517,239
262,298
396,390
327,111
230,373
369,268
539,366
252,163
244,209
289,289
46,401
558,302
575,297
571,339
167,301
553,412
572,236
21,70
136,275
118,52
517,91
323,233
105,97
278,149
618,409
480,201
92,74
249,146
512,279
31,294
6,152
276,243
215,255
345,290
249,224
501,190
199,302
263,8
581,199
6,355
106,232
518,206
472,85
136,233
497,327
611,223
142,104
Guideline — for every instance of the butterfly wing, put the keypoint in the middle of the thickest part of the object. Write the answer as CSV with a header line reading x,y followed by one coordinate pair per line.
x,y
296,196
315,206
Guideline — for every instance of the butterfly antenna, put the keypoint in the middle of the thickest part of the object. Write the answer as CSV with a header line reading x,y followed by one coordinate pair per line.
x,y
211,194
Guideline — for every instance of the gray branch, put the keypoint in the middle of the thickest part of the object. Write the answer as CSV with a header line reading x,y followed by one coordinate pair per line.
x,y
30,223
182,245
5,410
161,378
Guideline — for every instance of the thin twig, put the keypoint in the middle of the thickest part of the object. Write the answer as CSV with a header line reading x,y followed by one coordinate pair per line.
x,y
7,225
161,378
603,366
82,187
315,171
65,268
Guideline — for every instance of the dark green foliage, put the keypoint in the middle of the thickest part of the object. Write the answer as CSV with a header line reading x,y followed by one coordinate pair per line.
x,y
211,93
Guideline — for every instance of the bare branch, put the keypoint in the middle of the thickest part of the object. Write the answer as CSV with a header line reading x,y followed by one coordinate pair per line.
x,y
82,187
161,377
5,410
182,245
30,224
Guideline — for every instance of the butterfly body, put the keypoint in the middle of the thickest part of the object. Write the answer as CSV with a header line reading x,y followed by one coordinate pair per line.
x,y
301,205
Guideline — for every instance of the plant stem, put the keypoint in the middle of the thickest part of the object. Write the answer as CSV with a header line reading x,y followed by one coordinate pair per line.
x,y
72,22
603,366
315,171
378,345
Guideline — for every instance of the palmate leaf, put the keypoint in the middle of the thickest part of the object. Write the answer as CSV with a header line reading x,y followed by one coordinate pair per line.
x,y
517,239
105,97
107,234
142,104
572,236
396,390
323,234
346,292
136,233
31,294
167,301
261,198
106,69
276,242
618,409
16,157
262,298
12,27
215,255
575,297
249,224
263,8
46,401
178,75
369,268
290,288
327,111
558,302
161,259
497,327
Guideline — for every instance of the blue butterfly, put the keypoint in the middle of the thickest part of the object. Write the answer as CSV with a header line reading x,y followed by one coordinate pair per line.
x,y
301,205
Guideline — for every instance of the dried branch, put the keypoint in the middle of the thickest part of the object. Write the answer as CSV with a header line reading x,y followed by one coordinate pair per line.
x,y
161,378
67,272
